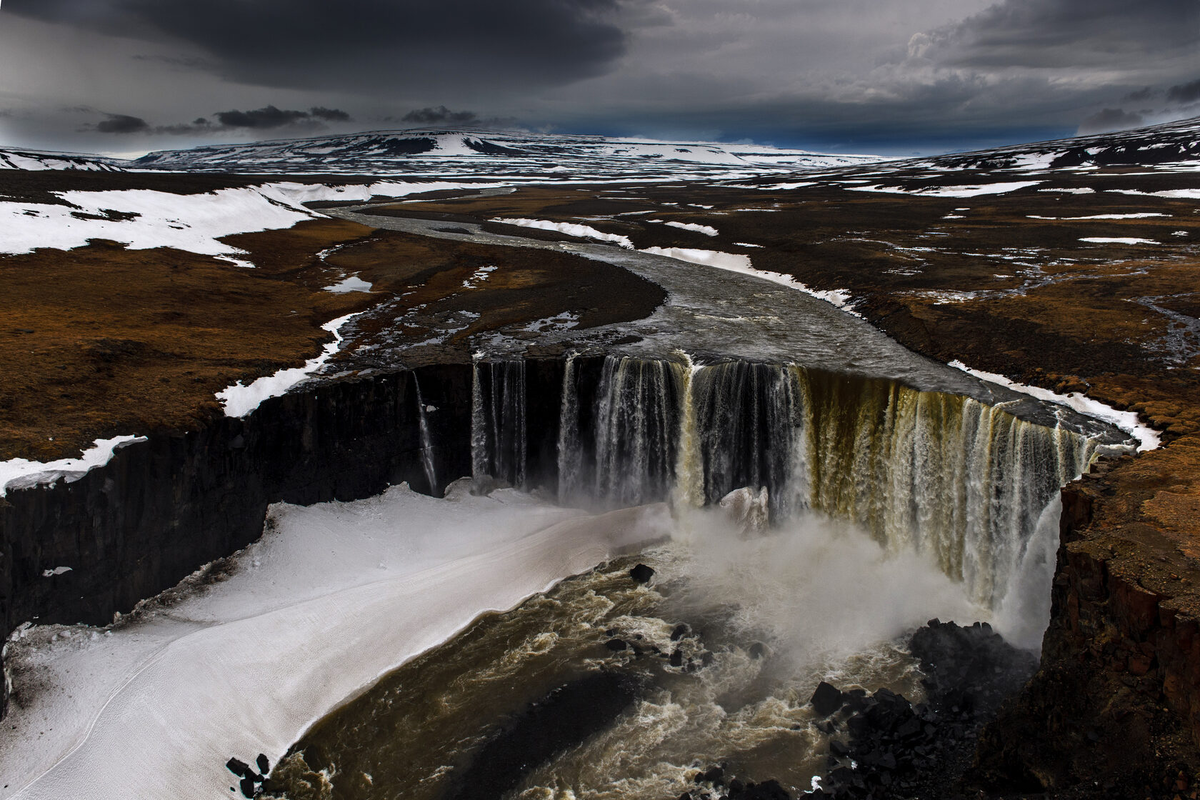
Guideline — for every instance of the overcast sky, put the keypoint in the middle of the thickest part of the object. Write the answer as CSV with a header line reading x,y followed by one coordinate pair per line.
x,y
886,76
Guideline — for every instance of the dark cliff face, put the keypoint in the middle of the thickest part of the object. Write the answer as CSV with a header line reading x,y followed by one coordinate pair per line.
x,y
1114,710
161,509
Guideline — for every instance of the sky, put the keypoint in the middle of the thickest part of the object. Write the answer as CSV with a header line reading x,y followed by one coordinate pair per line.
x,y
870,76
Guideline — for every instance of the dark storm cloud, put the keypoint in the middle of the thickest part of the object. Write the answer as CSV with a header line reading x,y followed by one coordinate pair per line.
x,y
122,123
1184,92
268,117
1142,95
368,43
329,114
440,116
259,119
1110,119
1067,33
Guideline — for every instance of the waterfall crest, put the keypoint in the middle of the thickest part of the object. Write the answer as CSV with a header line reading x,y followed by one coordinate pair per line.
x,y
944,475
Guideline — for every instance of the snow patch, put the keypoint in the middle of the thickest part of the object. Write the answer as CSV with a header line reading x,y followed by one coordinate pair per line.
x,y
1142,215
351,284
19,473
1127,421
950,191
479,277
1117,240
736,262
707,230
569,228
144,219
239,400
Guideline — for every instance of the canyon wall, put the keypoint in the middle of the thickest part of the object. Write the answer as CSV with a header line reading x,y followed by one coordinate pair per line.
x,y
163,508
1116,650
1115,705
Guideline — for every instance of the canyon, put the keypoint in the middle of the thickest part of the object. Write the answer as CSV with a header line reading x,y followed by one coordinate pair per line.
x,y
987,260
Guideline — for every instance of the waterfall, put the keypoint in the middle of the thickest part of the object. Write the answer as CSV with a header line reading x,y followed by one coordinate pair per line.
x,y
426,439
498,438
960,481
751,431
636,426
570,446
946,475
689,466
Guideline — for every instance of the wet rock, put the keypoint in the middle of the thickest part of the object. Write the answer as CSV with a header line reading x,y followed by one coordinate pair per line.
x,y
681,630
826,699
616,645
561,720
264,764
767,790
249,787
676,659
641,573
757,650
902,750
747,509
239,768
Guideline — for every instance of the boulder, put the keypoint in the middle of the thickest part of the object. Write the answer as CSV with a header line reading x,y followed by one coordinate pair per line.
x,y
826,699
641,573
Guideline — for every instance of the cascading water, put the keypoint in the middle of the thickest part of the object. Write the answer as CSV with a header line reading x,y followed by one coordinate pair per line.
x,y
570,448
637,411
750,427
498,436
940,474
890,506
426,440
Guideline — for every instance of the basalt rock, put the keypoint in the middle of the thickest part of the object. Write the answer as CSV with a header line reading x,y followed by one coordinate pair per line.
x,y
826,699
895,749
641,573
1114,710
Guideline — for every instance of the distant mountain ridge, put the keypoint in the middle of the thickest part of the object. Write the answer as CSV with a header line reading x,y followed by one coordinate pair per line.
x,y
466,153
1163,144
488,152
37,160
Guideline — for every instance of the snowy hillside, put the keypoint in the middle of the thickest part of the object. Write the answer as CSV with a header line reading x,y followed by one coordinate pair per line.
x,y
35,160
1171,145
446,153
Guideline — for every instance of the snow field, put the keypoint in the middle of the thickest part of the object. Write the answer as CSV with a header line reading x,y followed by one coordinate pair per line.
x,y
318,609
